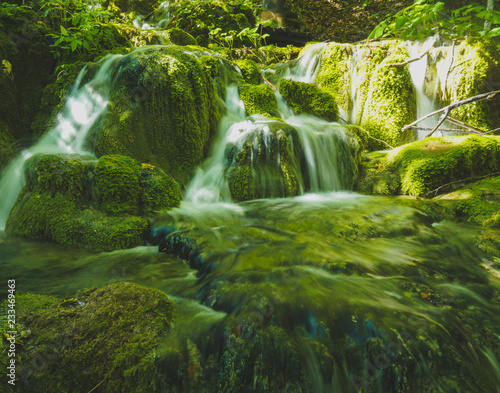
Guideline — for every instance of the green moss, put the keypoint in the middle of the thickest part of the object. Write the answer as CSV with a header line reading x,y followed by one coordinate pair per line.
x,y
120,326
250,71
308,98
55,203
137,37
390,103
475,70
334,74
117,180
180,37
259,99
163,110
159,190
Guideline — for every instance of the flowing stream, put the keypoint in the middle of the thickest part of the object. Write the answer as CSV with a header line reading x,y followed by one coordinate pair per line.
x,y
329,291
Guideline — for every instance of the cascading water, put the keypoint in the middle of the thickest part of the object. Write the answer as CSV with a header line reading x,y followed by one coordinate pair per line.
x,y
321,141
82,108
425,94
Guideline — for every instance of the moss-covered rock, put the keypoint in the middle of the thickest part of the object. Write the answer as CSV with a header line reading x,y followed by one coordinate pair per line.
x,y
117,181
425,166
250,71
259,100
390,103
475,70
308,98
119,326
162,110
72,202
180,37
262,161
334,74
159,190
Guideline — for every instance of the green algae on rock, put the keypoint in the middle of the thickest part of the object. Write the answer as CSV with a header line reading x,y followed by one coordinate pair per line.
x,y
119,326
308,98
259,100
162,110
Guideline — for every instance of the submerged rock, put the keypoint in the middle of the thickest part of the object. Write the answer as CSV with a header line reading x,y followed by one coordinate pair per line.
x,y
74,201
162,110
108,337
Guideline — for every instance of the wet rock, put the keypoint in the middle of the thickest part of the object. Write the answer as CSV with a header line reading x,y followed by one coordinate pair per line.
x,y
162,110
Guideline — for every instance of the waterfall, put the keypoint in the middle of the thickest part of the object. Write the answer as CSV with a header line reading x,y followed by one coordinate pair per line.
x,y
418,71
82,108
321,141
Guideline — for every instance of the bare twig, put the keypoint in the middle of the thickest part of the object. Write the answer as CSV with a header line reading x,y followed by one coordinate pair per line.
x,y
461,181
449,108
441,129
269,83
441,121
469,128
381,141
408,61
449,68
96,386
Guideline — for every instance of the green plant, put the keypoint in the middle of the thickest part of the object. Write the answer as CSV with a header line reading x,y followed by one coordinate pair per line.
x,y
255,37
81,26
425,18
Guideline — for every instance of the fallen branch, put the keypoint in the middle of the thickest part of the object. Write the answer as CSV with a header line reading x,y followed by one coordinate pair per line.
x,y
456,104
441,129
461,181
441,121
409,61
469,128
269,83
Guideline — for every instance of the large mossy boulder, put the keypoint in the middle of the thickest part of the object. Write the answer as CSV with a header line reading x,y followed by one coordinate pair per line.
x,y
119,327
422,168
74,201
309,99
259,100
262,160
162,110
26,64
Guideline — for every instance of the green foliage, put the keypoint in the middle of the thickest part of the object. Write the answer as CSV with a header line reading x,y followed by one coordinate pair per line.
x,y
79,26
426,17
254,35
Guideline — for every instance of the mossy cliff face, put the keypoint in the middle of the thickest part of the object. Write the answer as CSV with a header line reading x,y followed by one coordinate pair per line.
x,y
119,326
162,110
30,63
308,98
385,98
475,70
262,161
74,201
421,167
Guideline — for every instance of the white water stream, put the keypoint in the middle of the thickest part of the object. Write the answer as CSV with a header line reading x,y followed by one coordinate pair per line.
x,y
83,107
